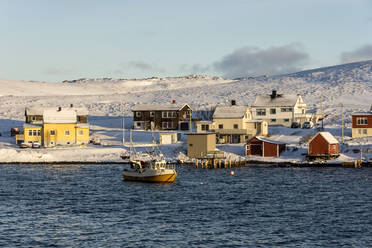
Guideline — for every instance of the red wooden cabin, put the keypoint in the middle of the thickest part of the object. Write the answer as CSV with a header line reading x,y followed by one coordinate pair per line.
x,y
323,144
264,147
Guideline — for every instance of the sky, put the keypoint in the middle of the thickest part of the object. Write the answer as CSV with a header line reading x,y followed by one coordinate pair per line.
x,y
51,40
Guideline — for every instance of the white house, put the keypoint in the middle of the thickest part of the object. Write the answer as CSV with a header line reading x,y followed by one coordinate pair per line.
x,y
233,124
280,109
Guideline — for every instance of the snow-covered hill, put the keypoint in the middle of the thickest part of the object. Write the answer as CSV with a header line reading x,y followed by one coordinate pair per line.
x,y
350,84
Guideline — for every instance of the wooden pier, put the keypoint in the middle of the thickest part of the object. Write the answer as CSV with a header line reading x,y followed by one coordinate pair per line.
x,y
218,163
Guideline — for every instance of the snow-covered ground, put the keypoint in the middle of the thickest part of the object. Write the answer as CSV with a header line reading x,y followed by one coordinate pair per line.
x,y
109,99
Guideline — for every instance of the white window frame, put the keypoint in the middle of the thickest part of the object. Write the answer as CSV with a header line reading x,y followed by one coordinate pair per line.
x,y
261,112
67,132
52,132
362,120
138,114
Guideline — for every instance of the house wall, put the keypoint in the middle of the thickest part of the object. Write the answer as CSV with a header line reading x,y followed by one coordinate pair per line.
x,y
59,138
82,138
32,138
285,118
145,119
319,146
361,130
199,145
270,149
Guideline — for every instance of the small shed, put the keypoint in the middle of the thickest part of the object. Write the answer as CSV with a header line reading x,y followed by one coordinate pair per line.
x,y
200,144
168,138
323,144
264,147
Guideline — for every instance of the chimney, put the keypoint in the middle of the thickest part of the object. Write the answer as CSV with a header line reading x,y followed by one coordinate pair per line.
x,y
59,108
233,102
71,105
273,95
173,101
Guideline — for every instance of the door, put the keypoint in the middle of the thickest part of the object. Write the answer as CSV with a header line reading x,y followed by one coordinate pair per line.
x,y
256,149
235,138
184,126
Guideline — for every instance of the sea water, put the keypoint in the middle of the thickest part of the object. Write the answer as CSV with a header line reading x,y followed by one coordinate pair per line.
x,y
91,206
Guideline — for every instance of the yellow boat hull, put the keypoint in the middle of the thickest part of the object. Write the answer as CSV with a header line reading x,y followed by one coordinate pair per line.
x,y
167,178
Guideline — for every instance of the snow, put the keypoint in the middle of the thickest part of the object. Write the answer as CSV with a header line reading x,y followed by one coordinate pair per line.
x,y
230,111
107,100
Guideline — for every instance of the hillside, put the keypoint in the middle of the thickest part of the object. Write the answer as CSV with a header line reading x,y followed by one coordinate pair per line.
x,y
350,84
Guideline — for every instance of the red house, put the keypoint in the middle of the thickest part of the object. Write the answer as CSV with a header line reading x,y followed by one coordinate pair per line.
x,y
323,144
361,124
264,147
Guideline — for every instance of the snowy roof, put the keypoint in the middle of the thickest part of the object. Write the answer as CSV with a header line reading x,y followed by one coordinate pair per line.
x,y
233,111
328,137
40,110
278,101
159,107
64,116
268,140
28,125
362,113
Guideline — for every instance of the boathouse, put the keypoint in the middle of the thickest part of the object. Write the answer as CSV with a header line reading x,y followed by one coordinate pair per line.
x,y
323,145
200,145
264,147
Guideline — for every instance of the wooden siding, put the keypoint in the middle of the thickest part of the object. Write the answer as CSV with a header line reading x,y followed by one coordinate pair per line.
x,y
158,119
319,146
355,124
263,148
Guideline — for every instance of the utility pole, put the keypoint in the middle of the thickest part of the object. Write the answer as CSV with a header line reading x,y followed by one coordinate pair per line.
x,y
122,105
322,109
342,123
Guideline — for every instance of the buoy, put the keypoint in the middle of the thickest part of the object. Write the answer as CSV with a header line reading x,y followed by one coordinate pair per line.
x,y
232,173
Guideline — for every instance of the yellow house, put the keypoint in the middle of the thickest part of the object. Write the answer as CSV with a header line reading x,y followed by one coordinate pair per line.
x,y
59,127
233,124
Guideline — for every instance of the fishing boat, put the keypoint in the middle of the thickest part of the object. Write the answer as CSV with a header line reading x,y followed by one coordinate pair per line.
x,y
154,169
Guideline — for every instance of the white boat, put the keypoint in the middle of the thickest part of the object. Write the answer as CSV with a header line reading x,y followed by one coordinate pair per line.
x,y
154,169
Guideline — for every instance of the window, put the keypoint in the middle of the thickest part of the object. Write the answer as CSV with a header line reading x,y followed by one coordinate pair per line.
x,y
205,127
169,114
362,121
285,109
33,118
38,132
359,131
273,120
138,124
364,131
152,114
248,147
29,132
272,111
220,126
261,112
52,132
167,125
236,126
286,120
67,132
34,132
80,132
138,114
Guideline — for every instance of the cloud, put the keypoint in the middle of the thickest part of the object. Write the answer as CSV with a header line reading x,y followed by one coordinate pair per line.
x,y
362,53
252,61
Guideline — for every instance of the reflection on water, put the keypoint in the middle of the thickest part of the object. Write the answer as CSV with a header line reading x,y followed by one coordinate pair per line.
x,y
91,206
